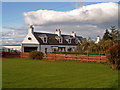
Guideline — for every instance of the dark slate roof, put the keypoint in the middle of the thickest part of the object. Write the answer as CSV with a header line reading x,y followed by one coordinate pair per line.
x,y
51,39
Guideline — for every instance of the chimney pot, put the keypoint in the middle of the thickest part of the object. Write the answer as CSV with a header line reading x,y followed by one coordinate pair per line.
x,y
30,30
98,36
31,26
58,32
73,34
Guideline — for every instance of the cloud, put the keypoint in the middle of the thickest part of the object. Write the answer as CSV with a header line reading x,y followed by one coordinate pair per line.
x,y
15,36
15,28
88,21
90,14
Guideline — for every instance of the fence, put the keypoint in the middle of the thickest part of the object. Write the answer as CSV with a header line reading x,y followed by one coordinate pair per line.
x,y
16,54
62,57
11,54
77,58
24,55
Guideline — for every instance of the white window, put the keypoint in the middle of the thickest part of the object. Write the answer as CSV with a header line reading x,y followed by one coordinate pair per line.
x,y
60,40
69,40
45,40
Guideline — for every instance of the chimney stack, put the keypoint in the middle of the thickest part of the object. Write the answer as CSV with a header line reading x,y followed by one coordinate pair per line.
x,y
30,30
58,32
73,34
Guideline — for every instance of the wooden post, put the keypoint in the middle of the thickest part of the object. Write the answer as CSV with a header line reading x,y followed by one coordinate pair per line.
x,y
76,57
87,56
55,57
65,57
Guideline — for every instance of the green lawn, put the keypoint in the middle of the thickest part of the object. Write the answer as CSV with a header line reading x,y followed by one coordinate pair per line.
x,y
25,73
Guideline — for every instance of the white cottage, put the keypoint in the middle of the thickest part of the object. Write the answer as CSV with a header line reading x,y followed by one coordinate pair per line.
x,y
47,42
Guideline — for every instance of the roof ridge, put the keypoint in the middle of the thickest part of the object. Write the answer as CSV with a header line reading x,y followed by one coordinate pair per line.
x,y
51,33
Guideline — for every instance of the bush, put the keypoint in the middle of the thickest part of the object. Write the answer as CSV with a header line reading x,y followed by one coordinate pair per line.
x,y
113,55
36,55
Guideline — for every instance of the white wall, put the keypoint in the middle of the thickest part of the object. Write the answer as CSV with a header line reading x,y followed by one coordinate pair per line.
x,y
12,47
33,41
49,47
41,47
31,35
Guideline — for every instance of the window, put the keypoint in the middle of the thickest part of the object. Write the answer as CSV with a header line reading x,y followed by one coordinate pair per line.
x,y
54,50
45,39
29,38
60,40
69,49
69,40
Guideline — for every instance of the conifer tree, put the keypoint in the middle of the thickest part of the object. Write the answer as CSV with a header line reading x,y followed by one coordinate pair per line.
x,y
106,35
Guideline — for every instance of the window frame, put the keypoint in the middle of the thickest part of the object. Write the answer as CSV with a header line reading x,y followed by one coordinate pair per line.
x,y
69,40
45,39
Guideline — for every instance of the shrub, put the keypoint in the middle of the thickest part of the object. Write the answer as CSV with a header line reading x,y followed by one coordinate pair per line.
x,y
36,55
113,55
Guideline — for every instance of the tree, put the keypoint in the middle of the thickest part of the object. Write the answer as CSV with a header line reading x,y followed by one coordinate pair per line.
x,y
82,48
92,48
114,33
106,35
113,55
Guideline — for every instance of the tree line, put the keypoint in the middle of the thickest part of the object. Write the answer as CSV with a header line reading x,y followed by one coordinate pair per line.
x,y
90,47
109,45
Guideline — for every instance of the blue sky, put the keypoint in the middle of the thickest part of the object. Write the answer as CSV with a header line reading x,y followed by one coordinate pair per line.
x,y
13,11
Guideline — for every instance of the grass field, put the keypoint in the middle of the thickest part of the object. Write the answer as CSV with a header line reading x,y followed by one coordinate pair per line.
x,y
25,73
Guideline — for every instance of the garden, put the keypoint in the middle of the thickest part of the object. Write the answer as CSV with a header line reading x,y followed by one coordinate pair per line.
x,y
28,73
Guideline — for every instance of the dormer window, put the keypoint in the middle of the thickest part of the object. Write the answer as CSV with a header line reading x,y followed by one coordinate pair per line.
x,y
60,40
43,37
45,40
69,41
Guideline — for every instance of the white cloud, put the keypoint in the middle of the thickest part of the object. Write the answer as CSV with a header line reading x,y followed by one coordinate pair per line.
x,y
93,14
88,21
15,28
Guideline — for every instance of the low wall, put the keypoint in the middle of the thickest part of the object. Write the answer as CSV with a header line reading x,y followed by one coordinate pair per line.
x,y
62,57
10,54
79,58
15,54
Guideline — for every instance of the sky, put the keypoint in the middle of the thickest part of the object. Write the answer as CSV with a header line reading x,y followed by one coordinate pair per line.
x,y
87,19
